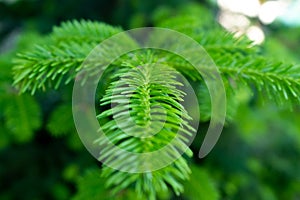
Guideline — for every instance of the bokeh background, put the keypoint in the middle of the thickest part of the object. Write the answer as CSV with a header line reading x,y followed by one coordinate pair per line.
x,y
41,156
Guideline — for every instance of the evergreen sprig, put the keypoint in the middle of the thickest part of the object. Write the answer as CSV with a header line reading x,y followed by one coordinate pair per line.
x,y
83,32
146,103
239,62
59,58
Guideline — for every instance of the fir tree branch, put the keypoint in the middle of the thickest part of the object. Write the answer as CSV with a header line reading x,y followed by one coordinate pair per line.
x,y
146,87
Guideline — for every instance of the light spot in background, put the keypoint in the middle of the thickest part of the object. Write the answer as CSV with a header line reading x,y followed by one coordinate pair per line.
x,y
246,7
291,15
270,10
235,15
233,22
255,34
239,25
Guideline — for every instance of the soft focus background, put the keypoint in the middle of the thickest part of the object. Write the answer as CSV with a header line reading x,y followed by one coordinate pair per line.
x,y
41,156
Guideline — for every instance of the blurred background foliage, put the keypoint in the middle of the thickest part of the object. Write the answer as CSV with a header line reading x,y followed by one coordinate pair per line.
x,y
41,156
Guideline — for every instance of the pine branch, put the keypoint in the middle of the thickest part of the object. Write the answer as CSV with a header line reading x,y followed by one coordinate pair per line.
x,y
280,81
46,66
147,87
238,61
83,32
211,36
60,56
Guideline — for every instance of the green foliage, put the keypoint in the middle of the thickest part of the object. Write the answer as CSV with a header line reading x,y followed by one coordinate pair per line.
x,y
266,165
235,58
83,32
153,95
61,121
58,58
200,185
240,64
22,116
279,81
65,49
91,186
